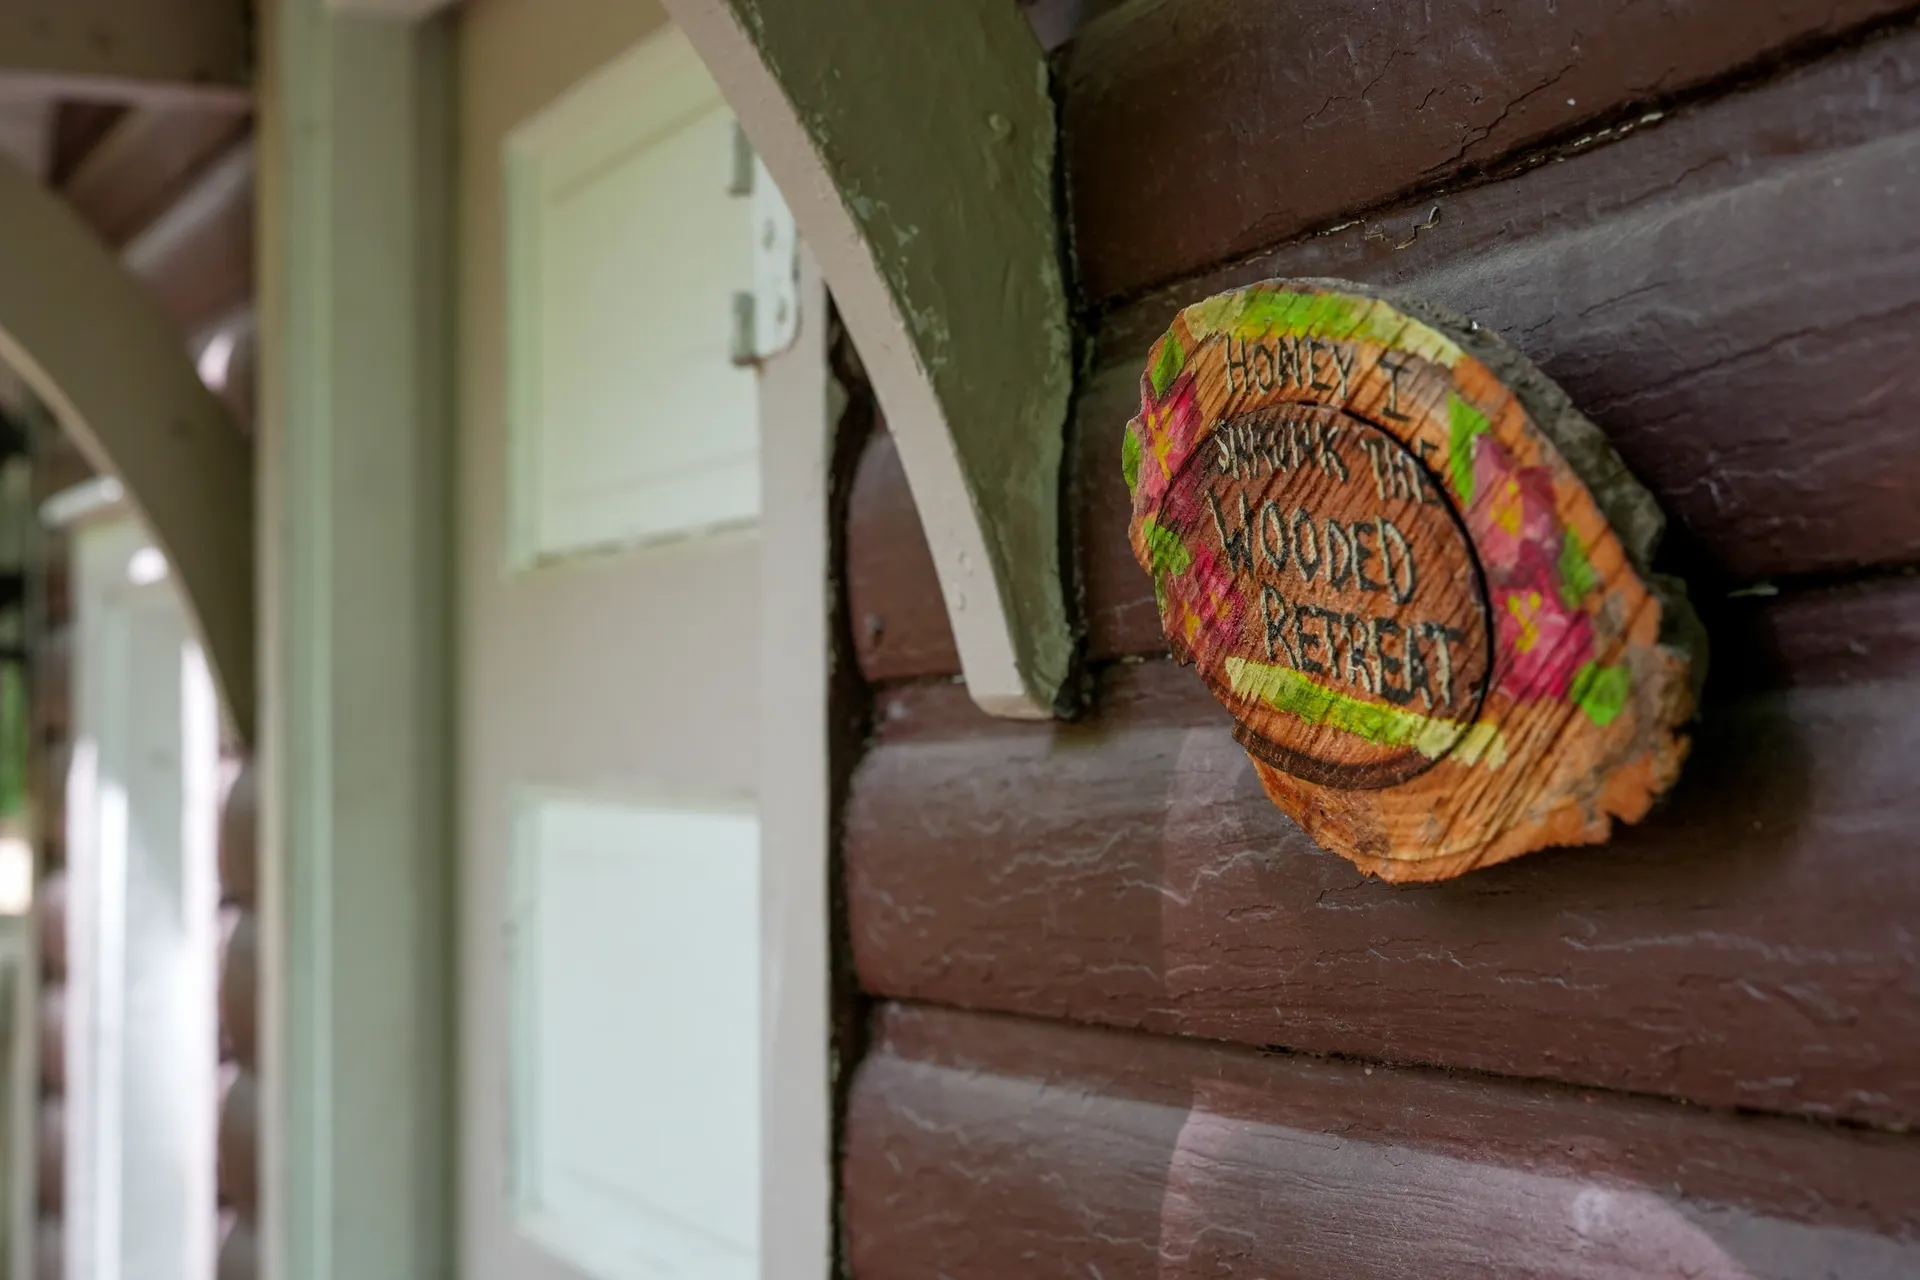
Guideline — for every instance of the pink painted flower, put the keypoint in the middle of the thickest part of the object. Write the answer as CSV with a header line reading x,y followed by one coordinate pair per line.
x,y
1513,508
1210,605
1517,529
1167,425
1547,641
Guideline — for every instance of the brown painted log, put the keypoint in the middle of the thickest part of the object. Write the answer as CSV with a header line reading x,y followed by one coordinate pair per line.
x,y
240,990
980,1147
1768,411
53,1039
51,685
50,905
51,763
239,1146
1750,944
898,619
239,838
1731,295
56,592
1260,122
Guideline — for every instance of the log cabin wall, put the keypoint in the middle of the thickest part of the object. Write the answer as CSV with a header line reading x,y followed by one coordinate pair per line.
x,y
50,750
1125,1019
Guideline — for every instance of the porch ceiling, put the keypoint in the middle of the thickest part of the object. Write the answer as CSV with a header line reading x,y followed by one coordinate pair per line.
x,y
127,50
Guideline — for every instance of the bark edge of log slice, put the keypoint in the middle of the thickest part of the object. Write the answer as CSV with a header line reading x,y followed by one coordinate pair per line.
x,y
1414,573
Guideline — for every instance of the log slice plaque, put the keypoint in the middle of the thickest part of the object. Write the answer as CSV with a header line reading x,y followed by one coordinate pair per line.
x,y
1414,575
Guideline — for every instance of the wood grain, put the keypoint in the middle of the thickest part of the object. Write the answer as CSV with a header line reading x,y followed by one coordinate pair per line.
x,y
1413,572
1749,944
982,1147
1257,122
1769,412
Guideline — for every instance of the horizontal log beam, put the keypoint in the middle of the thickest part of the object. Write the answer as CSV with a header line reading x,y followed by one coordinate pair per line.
x,y
151,157
1770,411
197,257
131,50
1749,944
1259,122
1119,1155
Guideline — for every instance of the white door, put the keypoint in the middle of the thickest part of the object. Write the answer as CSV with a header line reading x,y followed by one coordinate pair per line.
x,y
616,845
142,810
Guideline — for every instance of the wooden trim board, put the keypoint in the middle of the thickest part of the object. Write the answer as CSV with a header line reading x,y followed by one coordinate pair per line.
x,y
356,910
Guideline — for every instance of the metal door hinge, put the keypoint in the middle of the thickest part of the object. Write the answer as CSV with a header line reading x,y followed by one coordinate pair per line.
x,y
766,319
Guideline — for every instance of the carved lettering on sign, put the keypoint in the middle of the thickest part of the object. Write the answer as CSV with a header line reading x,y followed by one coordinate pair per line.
x,y
1369,596
1438,651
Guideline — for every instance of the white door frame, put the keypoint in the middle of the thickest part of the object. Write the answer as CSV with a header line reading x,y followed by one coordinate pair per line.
x,y
355,532
356,891
799,408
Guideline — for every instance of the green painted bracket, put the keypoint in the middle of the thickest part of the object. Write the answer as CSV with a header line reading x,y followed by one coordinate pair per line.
x,y
915,145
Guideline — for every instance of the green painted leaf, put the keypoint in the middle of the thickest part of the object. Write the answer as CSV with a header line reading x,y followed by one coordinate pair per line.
x,y
1167,365
1464,424
1600,691
1301,697
1577,576
1130,458
1170,555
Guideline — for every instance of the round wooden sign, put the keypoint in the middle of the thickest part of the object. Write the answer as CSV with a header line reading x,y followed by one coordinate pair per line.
x,y
1437,636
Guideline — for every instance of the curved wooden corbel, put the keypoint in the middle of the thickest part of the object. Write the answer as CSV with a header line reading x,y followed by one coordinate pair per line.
x,y
915,146
95,346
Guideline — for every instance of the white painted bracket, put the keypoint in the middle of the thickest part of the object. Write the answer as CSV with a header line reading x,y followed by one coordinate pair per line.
x,y
766,320
915,144
108,363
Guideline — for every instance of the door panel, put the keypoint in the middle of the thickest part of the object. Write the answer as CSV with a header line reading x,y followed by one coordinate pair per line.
x,y
609,695
612,1077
